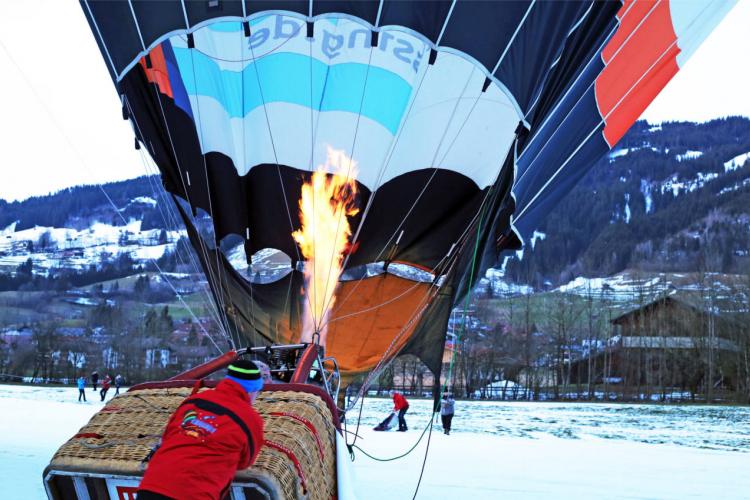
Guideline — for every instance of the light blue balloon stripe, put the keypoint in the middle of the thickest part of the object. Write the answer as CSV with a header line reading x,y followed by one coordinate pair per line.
x,y
286,77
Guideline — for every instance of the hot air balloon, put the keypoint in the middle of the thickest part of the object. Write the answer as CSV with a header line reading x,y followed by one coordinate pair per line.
x,y
383,153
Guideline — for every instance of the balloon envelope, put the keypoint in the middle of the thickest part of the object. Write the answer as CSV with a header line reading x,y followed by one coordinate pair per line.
x,y
468,121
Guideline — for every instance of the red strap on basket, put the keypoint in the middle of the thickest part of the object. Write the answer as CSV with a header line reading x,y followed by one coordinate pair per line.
x,y
197,386
110,409
84,435
307,424
290,454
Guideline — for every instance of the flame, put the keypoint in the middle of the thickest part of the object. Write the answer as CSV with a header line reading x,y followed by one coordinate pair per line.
x,y
324,207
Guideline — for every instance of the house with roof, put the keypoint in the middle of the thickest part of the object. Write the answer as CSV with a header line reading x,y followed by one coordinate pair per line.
x,y
677,342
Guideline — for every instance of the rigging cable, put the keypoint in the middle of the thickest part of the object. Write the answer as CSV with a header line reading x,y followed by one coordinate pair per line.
x,y
209,273
217,242
428,428
167,211
203,247
348,176
106,195
276,158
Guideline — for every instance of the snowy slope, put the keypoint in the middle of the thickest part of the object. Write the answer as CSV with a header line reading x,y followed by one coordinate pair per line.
x,y
628,286
52,248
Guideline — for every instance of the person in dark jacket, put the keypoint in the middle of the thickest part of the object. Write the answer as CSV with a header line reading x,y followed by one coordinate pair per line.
x,y
400,406
81,388
106,383
94,378
211,436
447,408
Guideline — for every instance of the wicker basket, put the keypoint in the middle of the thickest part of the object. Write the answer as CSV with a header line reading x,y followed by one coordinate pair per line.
x,y
298,460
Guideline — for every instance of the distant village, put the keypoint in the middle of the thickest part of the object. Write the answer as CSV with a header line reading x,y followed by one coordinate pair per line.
x,y
62,354
95,329
670,342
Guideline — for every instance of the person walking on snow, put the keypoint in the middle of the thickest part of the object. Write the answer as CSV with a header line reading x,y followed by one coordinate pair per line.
x,y
447,408
81,388
210,436
105,386
400,406
94,378
118,383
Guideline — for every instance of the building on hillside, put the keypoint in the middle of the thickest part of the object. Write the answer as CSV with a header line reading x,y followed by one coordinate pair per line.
x,y
671,343
158,358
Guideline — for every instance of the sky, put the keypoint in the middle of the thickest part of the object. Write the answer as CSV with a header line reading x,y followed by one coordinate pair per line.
x,y
60,118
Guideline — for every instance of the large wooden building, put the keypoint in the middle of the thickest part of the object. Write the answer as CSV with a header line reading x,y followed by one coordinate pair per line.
x,y
671,345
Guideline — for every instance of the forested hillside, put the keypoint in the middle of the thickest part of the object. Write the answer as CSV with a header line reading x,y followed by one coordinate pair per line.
x,y
76,207
674,197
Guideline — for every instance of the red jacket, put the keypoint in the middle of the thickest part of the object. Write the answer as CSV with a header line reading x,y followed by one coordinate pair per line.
x,y
399,402
209,438
106,383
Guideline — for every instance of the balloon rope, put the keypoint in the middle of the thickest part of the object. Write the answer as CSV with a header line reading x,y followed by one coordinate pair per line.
x,y
451,258
429,425
173,218
217,240
467,300
224,326
177,162
348,175
276,159
166,210
227,332
469,296
427,184
384,362
253,324
204,250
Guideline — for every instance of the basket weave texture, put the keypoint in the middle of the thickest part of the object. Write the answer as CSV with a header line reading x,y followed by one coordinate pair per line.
x,y
120,436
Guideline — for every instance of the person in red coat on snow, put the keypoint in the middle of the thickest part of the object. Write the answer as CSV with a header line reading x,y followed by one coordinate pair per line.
x,y
211,436
106,383
400,406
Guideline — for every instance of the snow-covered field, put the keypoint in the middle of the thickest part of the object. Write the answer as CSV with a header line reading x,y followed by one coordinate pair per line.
x,y
496,450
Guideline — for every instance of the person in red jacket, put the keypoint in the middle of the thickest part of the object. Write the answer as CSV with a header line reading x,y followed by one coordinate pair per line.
x,y
211,436
106,383
401,406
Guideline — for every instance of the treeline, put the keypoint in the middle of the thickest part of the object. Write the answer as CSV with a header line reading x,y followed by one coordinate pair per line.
x,y
53,356
126,329
61,208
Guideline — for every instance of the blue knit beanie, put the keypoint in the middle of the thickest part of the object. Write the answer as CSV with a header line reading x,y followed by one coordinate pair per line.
x,y
247,374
